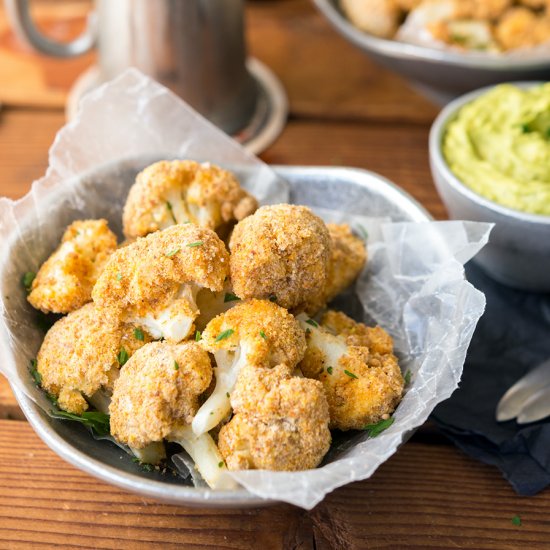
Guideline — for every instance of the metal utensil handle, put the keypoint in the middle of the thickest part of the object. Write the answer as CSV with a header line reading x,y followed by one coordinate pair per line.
x,y
20,17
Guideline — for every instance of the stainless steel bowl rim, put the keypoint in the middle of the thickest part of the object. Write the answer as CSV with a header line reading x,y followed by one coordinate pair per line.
x,y
404,51
437,133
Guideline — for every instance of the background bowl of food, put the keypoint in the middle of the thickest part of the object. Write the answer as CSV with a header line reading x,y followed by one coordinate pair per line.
x,y
490,159
449,47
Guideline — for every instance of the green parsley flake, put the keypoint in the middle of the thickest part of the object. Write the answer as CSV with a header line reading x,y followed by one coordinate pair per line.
x,y
119,276
516,520
220,464
195,244
312,323
376,429
169,206
262,334
350,374
230,297
227,394
225,334
172,252
198,335
138,334
407,377
122,357
98,422
329,370
37,377
363,232
27,280
272,298
176,366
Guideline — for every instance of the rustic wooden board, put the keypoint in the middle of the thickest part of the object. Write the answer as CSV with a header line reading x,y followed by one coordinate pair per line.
x,y
415,500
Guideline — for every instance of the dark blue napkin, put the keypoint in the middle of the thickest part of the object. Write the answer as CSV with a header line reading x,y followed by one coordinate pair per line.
x,y
512,337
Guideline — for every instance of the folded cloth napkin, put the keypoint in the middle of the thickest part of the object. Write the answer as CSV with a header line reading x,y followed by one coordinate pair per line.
x,y
511,338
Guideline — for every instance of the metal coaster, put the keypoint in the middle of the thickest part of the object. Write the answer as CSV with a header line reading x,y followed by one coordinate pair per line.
x,y
264,127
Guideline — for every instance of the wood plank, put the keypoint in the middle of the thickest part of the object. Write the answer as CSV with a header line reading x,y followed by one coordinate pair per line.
x,y
423,497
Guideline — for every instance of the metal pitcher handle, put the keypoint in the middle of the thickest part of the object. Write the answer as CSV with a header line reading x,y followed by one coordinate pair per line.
x,y
20,17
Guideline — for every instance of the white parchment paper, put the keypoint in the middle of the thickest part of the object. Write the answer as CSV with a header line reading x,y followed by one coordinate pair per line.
x,y
414,285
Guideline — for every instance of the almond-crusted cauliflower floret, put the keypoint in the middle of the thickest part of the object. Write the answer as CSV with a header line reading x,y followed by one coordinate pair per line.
x,y
81,355
346,262
281,253
280,422
180,191
156,397
521,27
154,281
363,382
255,333
65,280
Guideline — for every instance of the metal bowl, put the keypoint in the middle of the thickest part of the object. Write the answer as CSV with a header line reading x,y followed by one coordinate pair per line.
x,y
354,191
518,253
440,75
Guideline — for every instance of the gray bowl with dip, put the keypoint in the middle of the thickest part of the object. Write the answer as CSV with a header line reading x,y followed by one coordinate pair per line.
x,y
518,254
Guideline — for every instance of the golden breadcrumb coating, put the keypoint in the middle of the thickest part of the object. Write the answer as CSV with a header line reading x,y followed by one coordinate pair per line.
x,y
272,336
480,10
363,384
149,275
179,191
157,391
346,262
280,422
281,252
521,27
79,356
65,280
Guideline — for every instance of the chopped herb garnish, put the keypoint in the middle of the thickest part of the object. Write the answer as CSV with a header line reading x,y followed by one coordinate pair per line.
x,y
350,374
98,422
220,464
138,334
198,335
122,357
176,366
262,334
37,377
172,252
195,244
407,377
308,331
135,459
329,370
230,297
312,323
225,334
525,128
364,233
27,279
169,206
119,276
516,520
147,467
272,298
227,394
376,429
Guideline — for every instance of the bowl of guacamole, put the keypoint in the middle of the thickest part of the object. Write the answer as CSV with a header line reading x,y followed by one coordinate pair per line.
x,y
490,159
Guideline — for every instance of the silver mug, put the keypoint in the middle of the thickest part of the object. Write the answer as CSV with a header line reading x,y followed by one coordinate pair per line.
x,y
194,47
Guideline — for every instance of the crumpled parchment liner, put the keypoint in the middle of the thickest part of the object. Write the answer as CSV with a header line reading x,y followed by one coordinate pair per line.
x,y
414,285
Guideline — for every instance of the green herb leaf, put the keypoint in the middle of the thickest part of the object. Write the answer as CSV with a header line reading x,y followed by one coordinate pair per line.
x,y
96,421
220,464
230,297
364,234
525,128
198,335
195,244
138,334
262,334
312,323
308,331
170,209
27,279
350,374
516,520
37,377
122,357
376,429
329,370
176,366
119,276
227,394
272,298
225,334
173,252
407,377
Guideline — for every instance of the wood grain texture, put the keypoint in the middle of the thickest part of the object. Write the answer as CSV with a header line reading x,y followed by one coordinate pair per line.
x,y
415,500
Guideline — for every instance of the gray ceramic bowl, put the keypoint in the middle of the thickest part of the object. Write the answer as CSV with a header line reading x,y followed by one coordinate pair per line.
x,y
354,191
440,75
518,253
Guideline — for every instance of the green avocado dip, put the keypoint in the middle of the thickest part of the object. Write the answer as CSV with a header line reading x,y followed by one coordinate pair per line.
x,y
499,146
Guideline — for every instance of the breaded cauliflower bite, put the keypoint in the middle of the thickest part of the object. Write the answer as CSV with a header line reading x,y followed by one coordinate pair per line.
x,y
181,191
65,280
153,282
80,356
282,253
280,422
155,399
377,17
254,333
355,364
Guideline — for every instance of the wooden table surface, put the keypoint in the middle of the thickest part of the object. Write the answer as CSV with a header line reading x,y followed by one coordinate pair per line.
x,y
344,111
